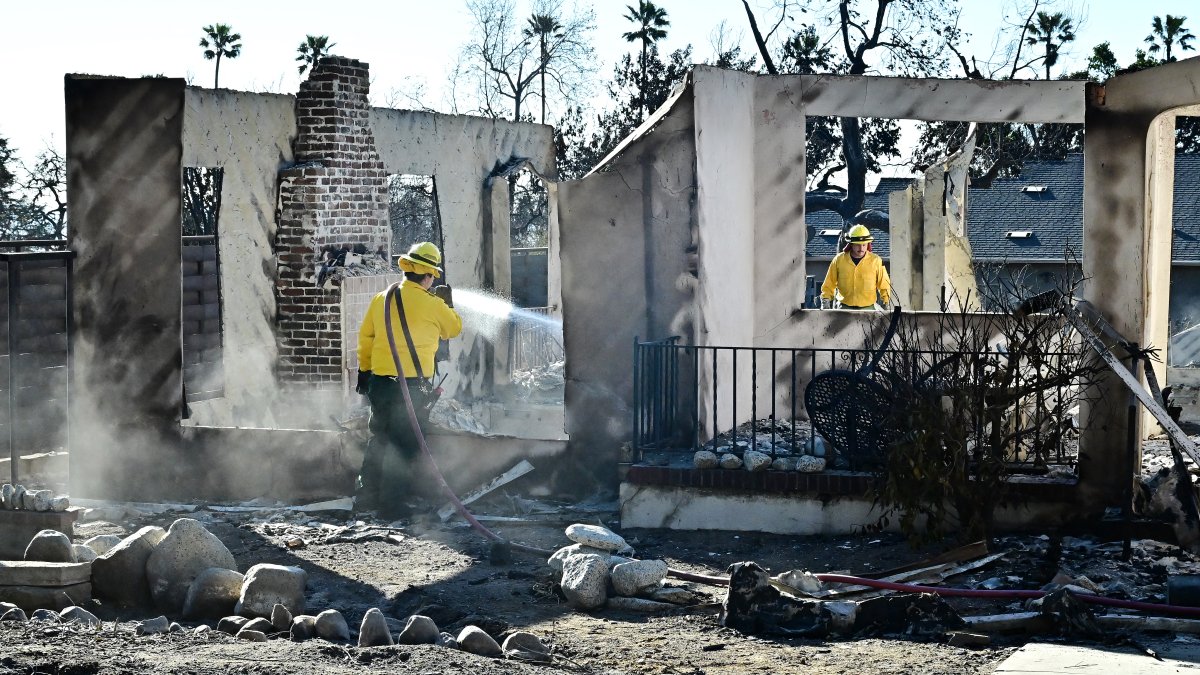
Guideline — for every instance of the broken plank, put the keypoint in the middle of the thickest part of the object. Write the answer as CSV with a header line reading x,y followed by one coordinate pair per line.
x,y
1002,623
523,467
1164,623
969,552
1075,317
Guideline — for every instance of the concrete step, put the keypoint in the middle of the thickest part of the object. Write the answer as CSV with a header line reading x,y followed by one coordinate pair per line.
x,y
36,573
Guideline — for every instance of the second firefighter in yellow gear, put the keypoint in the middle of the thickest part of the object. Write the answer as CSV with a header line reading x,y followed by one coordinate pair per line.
x,y
857,274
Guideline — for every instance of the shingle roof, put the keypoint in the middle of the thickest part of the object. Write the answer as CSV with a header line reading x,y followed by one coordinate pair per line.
x,y
819,246
1052,217
1046,201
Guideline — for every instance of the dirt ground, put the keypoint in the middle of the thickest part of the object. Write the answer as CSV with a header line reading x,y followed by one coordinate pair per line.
x,y
444,571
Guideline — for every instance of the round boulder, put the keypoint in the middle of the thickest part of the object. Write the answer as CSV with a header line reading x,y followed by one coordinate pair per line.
x,y
267,585
102,543
186,551
705,459
756,461
331,625
420,630
810,464
474,640
120,573
213,594
50,546
632,578
522,641
585,581
82,553
374,630
80,616
304,627
596,537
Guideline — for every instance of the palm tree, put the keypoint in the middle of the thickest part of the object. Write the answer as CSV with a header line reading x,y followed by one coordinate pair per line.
x,y
651,21
543,26
1168,32
218,42
1054,30
311,50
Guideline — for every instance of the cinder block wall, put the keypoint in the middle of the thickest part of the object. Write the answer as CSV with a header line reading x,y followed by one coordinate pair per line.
x,y
334,198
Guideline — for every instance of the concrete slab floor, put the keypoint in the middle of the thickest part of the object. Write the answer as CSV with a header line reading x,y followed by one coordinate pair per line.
x,y
1039,658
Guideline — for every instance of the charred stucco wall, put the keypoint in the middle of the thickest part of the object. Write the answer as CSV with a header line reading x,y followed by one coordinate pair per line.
x,y
736,263
249,136
1128,168
123,180
750,185
461,152
625,236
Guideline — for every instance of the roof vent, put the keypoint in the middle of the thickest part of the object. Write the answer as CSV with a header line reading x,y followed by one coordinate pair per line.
x,y
1019,234
1037,189
830,233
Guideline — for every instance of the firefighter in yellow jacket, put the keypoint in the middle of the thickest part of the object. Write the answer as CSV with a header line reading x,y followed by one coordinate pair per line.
x,y
429,313
857,274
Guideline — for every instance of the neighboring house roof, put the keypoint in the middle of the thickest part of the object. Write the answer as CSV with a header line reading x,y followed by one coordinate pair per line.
x,y
825,246
1033,217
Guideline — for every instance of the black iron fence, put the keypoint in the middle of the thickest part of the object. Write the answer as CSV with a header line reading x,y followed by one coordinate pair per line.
x,y
731,399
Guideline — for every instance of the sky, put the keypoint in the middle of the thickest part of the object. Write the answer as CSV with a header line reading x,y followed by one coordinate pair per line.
x,y
409,44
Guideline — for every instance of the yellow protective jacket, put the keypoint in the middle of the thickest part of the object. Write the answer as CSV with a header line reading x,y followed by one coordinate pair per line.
x,y
857,283
429,319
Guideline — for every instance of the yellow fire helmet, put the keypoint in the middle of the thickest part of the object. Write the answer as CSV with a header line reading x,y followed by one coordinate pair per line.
x,y
422,258
859,234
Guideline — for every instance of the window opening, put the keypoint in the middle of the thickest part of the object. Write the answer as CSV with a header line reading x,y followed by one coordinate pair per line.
x,y
200,272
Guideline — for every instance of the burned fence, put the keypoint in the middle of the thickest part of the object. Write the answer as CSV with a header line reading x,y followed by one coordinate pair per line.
x,y
535,339
35,345
732,399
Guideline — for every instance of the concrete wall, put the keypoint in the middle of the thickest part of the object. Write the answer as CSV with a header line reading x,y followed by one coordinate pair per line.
x,y
705,509
460,152
250,136
127,141
1128,158
124,139
626,236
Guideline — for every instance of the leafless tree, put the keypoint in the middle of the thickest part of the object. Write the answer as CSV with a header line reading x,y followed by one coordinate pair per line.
x,y
510,58
45,186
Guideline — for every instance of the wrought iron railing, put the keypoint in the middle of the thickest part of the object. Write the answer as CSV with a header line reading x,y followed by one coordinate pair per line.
x,y
535,338
688,398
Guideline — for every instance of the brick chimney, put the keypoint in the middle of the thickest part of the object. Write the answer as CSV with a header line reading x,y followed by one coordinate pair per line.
x,y
334,199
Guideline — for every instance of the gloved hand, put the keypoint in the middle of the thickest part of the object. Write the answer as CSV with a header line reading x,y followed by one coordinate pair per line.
x,y
364,376
443,292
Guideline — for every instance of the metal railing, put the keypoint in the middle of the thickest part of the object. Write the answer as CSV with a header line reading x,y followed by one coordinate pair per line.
x,y
535,340
688,398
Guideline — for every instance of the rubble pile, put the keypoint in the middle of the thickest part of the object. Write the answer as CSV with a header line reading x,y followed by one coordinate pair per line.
x,y
765,445
599,570
448,413
17,498
548,378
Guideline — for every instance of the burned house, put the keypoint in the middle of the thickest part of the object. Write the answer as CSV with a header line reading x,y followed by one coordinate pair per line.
x,y
691,234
